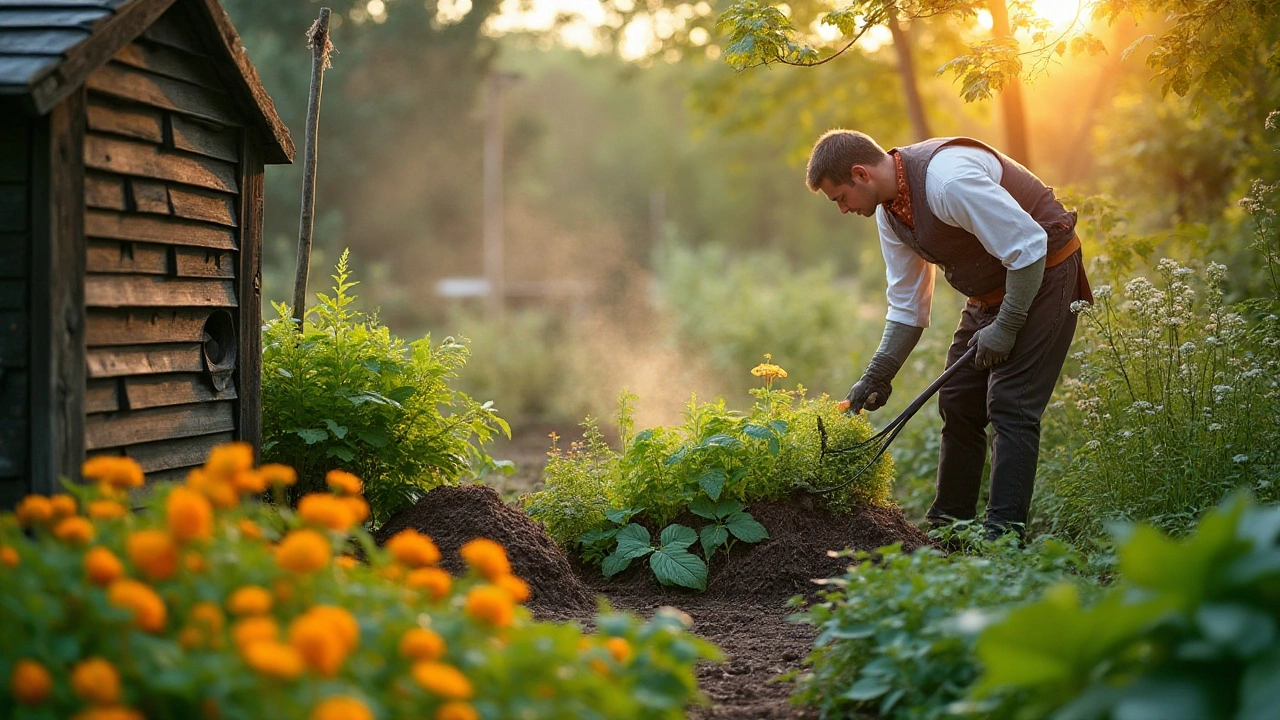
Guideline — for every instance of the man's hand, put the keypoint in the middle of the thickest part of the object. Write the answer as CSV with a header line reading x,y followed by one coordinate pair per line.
x,y
868,393
994,345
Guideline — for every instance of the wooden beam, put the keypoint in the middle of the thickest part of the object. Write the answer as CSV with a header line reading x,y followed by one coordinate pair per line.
x,y
156,457
142,327
145,360
176,389
120,429
13,255
160,60
204,138
129,83
168,231
108,115
114,291
249,357
129,157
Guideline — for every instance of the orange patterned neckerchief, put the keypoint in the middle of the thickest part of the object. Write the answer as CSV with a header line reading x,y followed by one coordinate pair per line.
x,y
900,206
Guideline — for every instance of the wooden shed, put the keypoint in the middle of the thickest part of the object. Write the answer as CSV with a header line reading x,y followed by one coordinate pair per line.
x,y
133,135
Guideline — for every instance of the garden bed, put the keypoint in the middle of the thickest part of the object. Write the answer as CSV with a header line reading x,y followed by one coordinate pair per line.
x,y
743,610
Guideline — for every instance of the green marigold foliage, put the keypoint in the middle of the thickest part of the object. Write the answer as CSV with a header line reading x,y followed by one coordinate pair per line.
x,y
1191,633
897,632
346,393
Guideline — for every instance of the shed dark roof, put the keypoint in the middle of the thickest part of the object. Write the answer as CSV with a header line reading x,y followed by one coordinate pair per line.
x,y
48,48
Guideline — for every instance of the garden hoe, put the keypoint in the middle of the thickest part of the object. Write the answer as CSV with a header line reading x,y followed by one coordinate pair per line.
x,y
879,442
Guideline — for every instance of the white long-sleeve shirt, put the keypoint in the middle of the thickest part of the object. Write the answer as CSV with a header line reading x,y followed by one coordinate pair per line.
x,y
962,188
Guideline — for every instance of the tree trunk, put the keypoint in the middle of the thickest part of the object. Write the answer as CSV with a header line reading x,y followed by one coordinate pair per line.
x,y
907,71
1017,144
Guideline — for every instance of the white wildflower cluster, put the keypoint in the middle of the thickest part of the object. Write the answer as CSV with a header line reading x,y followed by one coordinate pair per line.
x,y
1102,292
1220,392
1273,120
1215,427
1256,202
1079,306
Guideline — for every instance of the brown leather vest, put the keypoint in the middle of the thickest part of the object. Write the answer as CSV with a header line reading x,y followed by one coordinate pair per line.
x,y
967,266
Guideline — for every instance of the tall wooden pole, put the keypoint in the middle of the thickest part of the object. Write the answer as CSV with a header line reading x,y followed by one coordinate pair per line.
x,y
493,219
1017,145
318,41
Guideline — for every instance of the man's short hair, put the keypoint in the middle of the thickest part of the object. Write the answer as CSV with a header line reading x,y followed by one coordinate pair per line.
x,y
837,151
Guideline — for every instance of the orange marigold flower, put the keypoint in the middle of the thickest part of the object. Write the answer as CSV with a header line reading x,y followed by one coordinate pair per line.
x,y
253,630
148,608
422,644
341,707
323,637
434,581
442,679
359,508
326,511
74,530
303,551
456,710
109,712
191,638
346,562
207,616
63,505
413,549
34,510
189,514
600,666
119,473
486,557
518,588
30,682
102,566
619,648
275,473
153,552
9,556
490,604
228,459
219,490
249,600
283,589
250,482
340,622
273,658
343,482
96,681
106,510
249,528
194,562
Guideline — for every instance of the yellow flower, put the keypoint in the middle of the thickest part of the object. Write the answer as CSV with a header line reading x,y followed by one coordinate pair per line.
x,y
359,508
63,505
343,482
148,608
456,710
620,649
189,514
109,712
303,551
249,600
326,511
341,707
518,588
422,644
277,474
74,530
768,371
9,556
323,639
413,549
153,552
96,681
253,630
441,679
249,529
486,557
490,604
119,473
102,566
34,510
106,510
228,459
273,658
434,581
218,489
30,682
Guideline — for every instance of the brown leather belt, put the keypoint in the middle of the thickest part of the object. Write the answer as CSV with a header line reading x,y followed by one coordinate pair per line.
x,y
1059,256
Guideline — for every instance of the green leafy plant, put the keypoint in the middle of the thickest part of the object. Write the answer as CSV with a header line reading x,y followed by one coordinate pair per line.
x,y
343,392
729,521
597,542
670,559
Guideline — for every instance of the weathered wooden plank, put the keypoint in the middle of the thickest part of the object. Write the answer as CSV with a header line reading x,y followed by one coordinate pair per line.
x,y
104,191
140,327
159,477
103,431
180,454
130,83
201,263
172,31
204,138
149,196
39,41
13,255
178,389
102,396
13,339
144,360
15,147
150,291
114,256
13,294
13,206
107,115
249,318
162,60
14,452
170,231
199,204
13,394
129,157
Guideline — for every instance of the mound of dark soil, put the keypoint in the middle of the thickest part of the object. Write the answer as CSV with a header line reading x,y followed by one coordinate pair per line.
x,y
454,515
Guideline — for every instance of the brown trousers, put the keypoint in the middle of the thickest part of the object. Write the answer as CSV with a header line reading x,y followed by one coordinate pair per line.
x,y
1010,397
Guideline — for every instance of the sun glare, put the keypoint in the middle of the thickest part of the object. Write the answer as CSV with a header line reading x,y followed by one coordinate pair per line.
x,y
1060,13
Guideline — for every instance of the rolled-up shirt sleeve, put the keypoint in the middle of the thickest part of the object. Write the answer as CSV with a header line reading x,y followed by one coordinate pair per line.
x,y
910,278
963,189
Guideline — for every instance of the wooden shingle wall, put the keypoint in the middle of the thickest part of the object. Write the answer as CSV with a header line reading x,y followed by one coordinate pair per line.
x,y
15,249
163,201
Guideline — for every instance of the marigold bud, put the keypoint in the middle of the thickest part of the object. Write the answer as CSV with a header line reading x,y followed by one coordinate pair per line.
x,y
273,658
106,510
341,707
153,552
96,681
34,510
434,581
30,682
148,607
413,549
74,530
620,649
456,710
63,505
102,566
277,474
490,604
443,680
325,510
249,600
252,630
343,482
518,588
303,551
119,473
422,644
486,557
189,514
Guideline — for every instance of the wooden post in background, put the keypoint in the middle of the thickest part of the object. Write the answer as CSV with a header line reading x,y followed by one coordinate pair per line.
x,y
493,216
318,41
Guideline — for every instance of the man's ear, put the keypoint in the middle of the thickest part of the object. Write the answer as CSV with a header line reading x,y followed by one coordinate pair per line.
x,y
859,172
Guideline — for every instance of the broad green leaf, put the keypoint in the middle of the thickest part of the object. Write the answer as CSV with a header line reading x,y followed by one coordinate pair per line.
x,y
702,506
779,426
621,515
342,452
758,432
1242,629
775,447
402,393
1180,697
712,537
679,567
615,564
374,437
338,431
712,482
633,541
745,528
677,537
866,689
1259,689
311,437
727,507
1184,571
721,440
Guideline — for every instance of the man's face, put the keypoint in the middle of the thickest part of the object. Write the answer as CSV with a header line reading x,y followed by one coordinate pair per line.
x,y
855,195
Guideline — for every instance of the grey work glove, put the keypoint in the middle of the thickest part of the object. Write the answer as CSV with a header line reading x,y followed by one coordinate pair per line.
x,y
872,391
995,341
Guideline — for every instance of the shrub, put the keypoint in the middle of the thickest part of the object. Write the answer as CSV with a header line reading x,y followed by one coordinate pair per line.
x,y
208,604
346,393
897,632
1190,633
